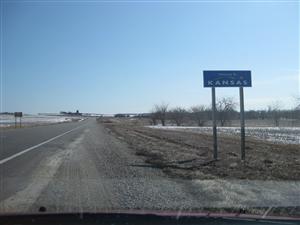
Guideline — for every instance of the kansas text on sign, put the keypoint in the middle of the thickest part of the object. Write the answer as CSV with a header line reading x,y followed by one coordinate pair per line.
x,y
227,78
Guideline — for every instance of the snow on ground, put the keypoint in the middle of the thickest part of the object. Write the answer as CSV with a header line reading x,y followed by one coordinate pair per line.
x,y
283,135
9,120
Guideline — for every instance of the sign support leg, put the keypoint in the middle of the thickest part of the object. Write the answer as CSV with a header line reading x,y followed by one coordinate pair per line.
x,y
213,92
242,117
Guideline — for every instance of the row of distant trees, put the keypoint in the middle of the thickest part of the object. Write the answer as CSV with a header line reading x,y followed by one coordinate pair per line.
x,y
226,111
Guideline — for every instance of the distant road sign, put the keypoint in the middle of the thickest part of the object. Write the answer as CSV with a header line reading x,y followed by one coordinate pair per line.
x,y
18,114
227,78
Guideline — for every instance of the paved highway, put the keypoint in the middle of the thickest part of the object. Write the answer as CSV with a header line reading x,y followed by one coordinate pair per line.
x,y
77,167
80,167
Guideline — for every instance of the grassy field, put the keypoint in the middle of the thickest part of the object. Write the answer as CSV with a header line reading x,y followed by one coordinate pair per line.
x,y
185,154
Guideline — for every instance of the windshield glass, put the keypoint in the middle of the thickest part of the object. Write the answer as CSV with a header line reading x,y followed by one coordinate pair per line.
x,y
165,106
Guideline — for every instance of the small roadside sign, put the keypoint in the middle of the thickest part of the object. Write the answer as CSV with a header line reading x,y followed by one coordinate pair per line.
x,y
18,115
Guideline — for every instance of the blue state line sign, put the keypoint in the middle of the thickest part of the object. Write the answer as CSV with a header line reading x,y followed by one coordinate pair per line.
x,y
227,78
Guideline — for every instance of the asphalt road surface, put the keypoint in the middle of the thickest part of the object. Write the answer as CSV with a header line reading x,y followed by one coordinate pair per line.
x,y
81,167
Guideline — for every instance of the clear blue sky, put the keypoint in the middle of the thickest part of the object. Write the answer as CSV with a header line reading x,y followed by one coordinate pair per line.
x,y
125,56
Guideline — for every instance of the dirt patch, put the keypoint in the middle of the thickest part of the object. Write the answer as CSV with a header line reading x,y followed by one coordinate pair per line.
x,y
188,155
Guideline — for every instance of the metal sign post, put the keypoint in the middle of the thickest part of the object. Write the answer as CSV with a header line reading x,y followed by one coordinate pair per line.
x,y
213,94
242,118
225,78
18,114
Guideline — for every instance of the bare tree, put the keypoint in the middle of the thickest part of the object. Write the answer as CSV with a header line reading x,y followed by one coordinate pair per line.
x,y
154,117
297,100
297,109
161,112
199,114
225,108
274,112
177,115
295,112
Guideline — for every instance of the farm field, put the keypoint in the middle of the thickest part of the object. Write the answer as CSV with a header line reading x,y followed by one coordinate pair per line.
x,y
32,120
282,135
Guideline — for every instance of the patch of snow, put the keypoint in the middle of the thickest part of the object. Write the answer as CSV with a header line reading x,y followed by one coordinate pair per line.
x,y
285,135
9,120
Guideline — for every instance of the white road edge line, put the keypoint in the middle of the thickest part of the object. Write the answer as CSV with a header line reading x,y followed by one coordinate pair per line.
x,y
36,146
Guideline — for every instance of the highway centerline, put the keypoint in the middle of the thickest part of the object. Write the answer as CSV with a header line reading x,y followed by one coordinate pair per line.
x,y
36,146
